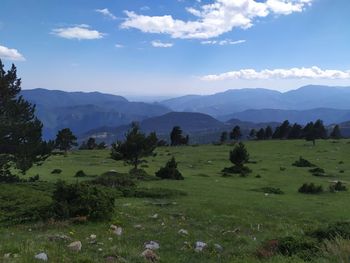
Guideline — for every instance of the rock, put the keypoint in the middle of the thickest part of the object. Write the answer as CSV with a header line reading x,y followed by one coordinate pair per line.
x,y
93,236
75,246
218,247
7,255
200,246
117,230
152,245
42,256
58,237
150,255
183,232
138,226
155,216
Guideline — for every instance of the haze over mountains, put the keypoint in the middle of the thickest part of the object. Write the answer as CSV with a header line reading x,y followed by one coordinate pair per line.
x,y
86,113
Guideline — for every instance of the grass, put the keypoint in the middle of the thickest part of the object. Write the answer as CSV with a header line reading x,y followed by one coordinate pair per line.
x,y
215,209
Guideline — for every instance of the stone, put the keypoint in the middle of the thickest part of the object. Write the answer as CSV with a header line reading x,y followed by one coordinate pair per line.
x,y
183,232
7,255
75,246
155,216
218,247
42,256
150,255
93,236
152,245
117,230
200,246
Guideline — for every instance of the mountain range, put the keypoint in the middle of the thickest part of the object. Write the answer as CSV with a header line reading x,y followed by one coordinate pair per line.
x,y
98,113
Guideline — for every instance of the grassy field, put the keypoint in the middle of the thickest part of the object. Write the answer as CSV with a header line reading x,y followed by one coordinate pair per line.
x,y
216,210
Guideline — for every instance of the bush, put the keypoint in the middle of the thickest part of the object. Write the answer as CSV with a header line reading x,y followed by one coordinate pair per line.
x,y
82,200
80,173
34,178
56,171
331,231
239,155
157,193
310,189
141,174
170,171
303,163
20,203
337,187
317,171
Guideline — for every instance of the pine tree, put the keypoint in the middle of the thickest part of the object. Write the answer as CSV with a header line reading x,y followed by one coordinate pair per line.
x,y
21,144
236,133
268,132
223,137
136,146
336,133
65,140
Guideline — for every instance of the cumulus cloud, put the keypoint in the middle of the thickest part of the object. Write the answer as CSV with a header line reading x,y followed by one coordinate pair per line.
x,y
215,19
293,73
158,43
80,32
119,45
10,54
106,13
222,42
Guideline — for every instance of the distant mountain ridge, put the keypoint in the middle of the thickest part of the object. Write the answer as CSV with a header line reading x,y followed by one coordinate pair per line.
x,y
233,101
83,111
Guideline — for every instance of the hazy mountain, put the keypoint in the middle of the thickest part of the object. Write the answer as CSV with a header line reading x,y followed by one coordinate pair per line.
x,y
232,101
329,116
202,128
82,111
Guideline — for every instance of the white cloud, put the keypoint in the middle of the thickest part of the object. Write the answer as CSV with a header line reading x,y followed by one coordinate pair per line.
x,y
81,32
158,43
213,19
119,45
10,54
293,73
222,42
106,13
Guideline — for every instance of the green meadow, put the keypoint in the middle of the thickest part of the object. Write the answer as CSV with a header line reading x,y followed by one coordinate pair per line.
x,y
234,212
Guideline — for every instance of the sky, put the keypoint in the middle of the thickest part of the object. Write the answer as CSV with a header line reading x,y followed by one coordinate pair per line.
x,y
176,47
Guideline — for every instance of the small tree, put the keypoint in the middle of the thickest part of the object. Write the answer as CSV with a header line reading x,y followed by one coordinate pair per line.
x,y
223,137
236,133
239,155
252,134
336,134
136,146
260,135
268,132
91,144
177,138
65,140
170,171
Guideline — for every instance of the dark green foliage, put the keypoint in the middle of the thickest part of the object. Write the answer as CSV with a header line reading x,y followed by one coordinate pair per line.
x,y
157,193
303,163
239,155
65,140
170,171
331,231
268,132
177,138
336,134
34,178
20,131
337,187
317,171
313,131
82,200
223,137
260,135
56,171
302,247
26,202
252,134
270,190
282,131
310,188
136,146
236,133
80,173
295,132
116,180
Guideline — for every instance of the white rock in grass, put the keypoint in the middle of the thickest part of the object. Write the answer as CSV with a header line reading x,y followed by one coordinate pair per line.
x,y
183,232
93,236
200,246
150,255
42,256
7,255
75,246
218,247
152,245
117,230
155,216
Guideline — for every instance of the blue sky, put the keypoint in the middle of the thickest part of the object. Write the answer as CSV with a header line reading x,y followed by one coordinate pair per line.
x,y
173,47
